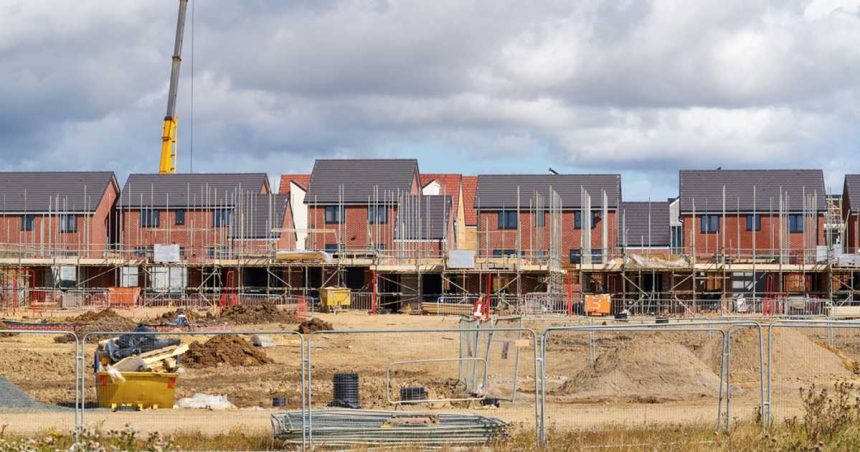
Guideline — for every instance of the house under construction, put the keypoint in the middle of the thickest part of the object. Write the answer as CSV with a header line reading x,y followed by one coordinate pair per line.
x,y
731,241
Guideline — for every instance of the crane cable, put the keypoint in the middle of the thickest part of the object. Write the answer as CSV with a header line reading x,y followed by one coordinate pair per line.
x,y
191,113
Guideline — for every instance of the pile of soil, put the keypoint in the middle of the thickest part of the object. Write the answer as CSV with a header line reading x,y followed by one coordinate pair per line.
x,y
647,369
107,321
227,350
254,314
314,324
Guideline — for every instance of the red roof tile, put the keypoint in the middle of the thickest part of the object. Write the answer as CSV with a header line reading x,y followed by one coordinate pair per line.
x,y
450,186
303,180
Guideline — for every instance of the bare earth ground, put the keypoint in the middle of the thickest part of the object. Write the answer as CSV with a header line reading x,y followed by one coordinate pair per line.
x,y
636,378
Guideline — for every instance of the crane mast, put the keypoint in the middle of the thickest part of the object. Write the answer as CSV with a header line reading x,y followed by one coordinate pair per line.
x,y
168,135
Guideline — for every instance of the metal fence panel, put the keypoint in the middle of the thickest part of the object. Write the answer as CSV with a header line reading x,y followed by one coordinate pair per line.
x,y
595,377
394,365
39,386
807,354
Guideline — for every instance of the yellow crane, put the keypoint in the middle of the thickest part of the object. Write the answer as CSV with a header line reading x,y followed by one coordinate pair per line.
x,y
168,134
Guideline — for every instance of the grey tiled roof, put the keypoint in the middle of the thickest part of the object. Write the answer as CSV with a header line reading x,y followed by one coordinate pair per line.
x,y
256,215
500,190
852,191
705,187
359,178
188,190
423,217
634,218
70,191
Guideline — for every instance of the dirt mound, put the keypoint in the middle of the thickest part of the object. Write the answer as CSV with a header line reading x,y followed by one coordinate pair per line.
x,y
798,358
645,369
254,314
314,324
227,350
107,320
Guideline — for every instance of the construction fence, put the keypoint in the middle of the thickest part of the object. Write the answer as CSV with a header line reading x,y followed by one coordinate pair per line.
x,y
472,384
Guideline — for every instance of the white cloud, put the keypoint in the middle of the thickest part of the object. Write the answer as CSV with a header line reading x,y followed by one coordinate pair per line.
x,y
644,87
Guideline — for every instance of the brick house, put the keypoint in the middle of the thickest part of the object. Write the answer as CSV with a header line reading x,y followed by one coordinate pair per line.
x,y
57,213
851,213
206,215
586,212
752,213
352,203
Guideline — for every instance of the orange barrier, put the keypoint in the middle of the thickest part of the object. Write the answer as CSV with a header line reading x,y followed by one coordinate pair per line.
x,y
123,296
598,304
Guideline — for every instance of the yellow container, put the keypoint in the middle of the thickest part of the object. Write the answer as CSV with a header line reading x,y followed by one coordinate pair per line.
x,y
334,297
140,389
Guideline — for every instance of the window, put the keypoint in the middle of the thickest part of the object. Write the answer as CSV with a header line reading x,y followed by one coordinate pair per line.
x,y
709,224
795,223
575,256
377,214
219,252
753,222
179,217
595,218
222,218
507,219
331,247
596,256
333,215
540,219
142,251
68,223
182,252
577,219
27,221
149,218
504,253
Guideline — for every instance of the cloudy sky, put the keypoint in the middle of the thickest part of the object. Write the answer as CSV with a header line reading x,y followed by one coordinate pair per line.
x,y
499,86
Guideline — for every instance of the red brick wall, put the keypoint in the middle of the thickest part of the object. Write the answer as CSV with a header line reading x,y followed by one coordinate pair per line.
x,y
571,237
708,244
852,238
358,233
196,235
90,240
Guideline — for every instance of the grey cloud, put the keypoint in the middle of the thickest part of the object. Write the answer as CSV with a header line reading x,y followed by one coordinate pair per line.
x,y
641,87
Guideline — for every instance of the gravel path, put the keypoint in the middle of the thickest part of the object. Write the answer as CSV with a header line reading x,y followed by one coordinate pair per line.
x,y
13,398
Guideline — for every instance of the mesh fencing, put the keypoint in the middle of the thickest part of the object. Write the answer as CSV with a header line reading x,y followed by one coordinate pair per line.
x,y
39,385
468,385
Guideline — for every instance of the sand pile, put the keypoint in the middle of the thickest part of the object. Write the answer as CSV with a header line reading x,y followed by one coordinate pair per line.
x,y
646,369
254,314
797,358
224,350
107,320
314,324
